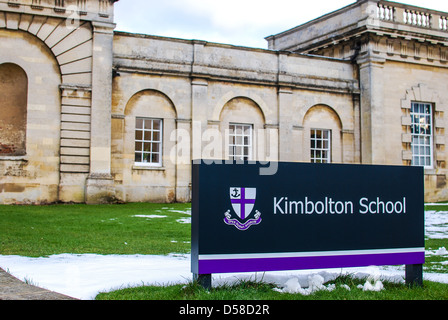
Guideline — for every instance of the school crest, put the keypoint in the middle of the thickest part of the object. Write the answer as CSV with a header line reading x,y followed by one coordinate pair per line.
x,y
243,204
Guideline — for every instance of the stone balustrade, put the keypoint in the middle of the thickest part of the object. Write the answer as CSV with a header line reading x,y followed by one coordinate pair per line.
x,y
444,23
412,16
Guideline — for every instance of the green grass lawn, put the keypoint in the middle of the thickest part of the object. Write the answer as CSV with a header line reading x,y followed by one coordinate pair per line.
x,y
253,290
36,231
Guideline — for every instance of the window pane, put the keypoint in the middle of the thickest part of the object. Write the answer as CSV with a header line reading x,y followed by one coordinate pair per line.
x,y
148,124
320,146
238,151
157,125
421,130
156,136
240,141
138,135
146,157
155,147
148,140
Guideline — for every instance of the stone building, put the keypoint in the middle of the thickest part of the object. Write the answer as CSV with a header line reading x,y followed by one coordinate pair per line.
x,y
92,115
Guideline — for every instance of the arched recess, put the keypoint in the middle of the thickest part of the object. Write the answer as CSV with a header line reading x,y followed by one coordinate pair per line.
x,y
31,175
150,101
13,109
71,46
322,119
144,165
242,125
218,109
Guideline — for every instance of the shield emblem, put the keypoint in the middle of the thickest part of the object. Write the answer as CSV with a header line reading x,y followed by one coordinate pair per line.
x,y
243,201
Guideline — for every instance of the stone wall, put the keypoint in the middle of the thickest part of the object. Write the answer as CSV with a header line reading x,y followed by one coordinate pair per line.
x,y
62,48
200,88
81,88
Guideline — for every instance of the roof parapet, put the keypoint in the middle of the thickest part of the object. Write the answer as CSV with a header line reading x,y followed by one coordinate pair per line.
x,y
384,17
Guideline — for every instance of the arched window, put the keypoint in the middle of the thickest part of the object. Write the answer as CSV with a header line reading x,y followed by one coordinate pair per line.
x,y
150,114
13,110
322,139
242,123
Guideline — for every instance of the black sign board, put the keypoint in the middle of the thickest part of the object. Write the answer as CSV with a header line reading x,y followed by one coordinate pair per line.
x,y
306,216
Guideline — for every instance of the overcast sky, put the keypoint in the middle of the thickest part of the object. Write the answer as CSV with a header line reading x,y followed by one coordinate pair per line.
x,y
237,22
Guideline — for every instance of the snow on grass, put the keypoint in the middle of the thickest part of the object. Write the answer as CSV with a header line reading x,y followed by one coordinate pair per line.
x,y
166,209
436,224
149,216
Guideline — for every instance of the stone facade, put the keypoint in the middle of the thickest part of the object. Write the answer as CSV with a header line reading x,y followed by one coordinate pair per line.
x,y
400,53
94,96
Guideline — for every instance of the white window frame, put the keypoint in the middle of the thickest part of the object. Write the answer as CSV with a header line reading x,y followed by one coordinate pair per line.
x,y
422,132
320,146
147,145
240,141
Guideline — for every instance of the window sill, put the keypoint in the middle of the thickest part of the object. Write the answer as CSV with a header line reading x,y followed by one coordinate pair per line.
x,y
150,168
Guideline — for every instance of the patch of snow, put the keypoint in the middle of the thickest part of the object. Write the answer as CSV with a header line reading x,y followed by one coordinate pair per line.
x,y
436,224
184,220
187,212
149,216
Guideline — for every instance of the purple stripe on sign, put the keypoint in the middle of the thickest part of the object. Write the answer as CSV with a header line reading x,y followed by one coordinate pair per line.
x,y
304,263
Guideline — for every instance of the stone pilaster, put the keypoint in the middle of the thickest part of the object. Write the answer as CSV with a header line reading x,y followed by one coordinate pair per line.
x,y
99,185
372,106
285,124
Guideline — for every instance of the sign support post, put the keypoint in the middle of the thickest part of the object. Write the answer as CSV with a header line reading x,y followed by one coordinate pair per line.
x,y
204,280
414,275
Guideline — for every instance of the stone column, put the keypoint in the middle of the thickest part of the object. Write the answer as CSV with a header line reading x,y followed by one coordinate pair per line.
x,y
100,185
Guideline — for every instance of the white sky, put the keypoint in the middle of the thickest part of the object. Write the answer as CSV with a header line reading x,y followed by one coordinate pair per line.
x,y
237,22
